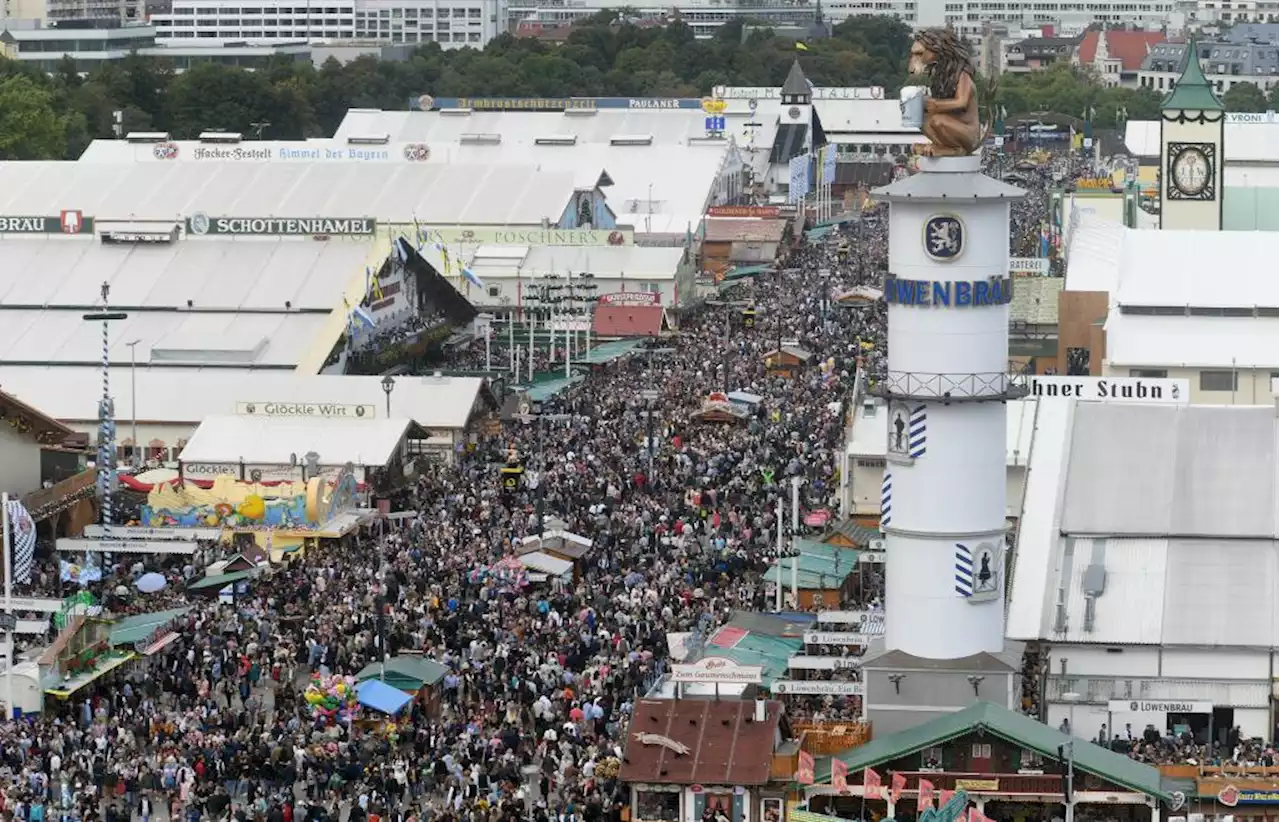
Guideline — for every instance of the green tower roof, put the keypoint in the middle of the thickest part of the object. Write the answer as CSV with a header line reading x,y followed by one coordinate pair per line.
x,y
1192,91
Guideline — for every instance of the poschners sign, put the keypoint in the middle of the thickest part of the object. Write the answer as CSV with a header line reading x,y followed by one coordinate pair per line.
x,y
993,291
1160,391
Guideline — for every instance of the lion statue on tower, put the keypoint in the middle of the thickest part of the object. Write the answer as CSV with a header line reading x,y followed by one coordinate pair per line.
x,y
951,109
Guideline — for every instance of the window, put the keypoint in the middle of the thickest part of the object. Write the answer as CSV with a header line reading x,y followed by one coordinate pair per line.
x,y
1149,373
1219,381
980,750
931,759
1031,762
495,290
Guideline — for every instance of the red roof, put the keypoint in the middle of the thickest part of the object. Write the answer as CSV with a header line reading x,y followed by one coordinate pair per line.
x,y
1129,47
628,321
700,741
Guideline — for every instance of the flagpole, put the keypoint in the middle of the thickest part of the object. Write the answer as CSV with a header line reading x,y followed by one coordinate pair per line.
x,y
8,602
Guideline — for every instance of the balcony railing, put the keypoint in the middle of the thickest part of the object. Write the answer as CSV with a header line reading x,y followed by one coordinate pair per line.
x,y
830,738
912,385
980,783
61,495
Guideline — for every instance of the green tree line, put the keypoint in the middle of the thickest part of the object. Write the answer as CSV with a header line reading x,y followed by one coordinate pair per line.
x,y
55,116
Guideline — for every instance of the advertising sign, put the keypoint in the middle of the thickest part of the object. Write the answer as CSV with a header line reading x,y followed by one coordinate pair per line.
x,y
200,224
715,669
775,93
1146,390
631,298
208,471
325,410
490,235
426,102
940,294
1150,706
1029,265
68,222
834,638
1252,118
824,663
126,546
152,534
300,151
798,687
758,212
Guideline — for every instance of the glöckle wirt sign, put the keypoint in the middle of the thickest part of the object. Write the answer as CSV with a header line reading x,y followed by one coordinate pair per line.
x,y
328,410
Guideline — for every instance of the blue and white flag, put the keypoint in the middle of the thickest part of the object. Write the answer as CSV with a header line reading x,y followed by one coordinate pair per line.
x,y
23,533
361,319
829,164
471,277
798,186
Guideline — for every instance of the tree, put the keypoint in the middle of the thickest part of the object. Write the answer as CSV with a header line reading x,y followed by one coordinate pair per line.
x,y
1273,98
1245,97
30,129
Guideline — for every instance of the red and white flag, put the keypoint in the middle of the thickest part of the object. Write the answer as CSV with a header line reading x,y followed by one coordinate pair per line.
x,y
804,768
944,796
897,782
976,815
839,775
926,796
871,784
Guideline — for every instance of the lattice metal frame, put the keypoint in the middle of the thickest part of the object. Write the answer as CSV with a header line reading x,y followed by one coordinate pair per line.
x,y
959,387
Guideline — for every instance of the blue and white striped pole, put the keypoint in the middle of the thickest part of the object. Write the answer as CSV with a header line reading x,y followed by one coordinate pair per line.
x,y
106,424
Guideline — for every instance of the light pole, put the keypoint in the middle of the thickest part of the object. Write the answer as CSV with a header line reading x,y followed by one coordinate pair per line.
x,y
133,398
650,396
388,385
106,414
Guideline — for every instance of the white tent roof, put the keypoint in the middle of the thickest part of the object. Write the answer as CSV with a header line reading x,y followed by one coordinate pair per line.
x,y
1242,142
271,440
452,194
182,395
547,564
1140,340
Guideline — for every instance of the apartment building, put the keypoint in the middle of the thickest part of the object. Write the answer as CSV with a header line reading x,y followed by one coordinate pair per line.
x,y
1224,63
451,23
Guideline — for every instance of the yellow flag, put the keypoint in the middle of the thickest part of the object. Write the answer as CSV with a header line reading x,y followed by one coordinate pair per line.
x,y
801,46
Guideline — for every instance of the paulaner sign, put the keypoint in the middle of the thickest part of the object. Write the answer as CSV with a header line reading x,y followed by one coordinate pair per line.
x,y
1159,391
201,224
961,294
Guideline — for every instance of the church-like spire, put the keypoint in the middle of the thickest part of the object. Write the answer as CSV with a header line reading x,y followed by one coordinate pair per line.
x,y
796,88
1192,92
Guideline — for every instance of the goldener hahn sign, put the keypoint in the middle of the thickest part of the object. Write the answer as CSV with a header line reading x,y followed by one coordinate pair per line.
x,y
718,670
1159,391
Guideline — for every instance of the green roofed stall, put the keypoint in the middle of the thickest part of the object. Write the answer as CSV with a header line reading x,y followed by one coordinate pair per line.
x,y
821,566
219,580
608,352
407,672
1014,728
745,271
133,629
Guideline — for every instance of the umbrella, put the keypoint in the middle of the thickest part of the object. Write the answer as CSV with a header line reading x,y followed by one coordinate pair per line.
x,y
150,583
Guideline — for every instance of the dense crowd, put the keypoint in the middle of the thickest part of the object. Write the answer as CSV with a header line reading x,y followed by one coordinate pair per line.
x,y
540,679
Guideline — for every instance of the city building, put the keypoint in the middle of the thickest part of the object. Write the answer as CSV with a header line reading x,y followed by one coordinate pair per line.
x,y
450,23
1115,56
1039,53
1222,13
1224,63
47,47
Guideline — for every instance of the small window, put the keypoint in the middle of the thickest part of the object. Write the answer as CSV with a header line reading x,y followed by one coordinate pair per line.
x,y
980,750
931,759
1219,381
1149,373
1030,761
495,290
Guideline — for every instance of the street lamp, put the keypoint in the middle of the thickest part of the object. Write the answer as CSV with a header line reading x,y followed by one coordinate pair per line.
x,y
388,385
133,398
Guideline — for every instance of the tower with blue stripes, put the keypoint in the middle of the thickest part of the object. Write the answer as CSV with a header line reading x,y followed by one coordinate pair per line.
x,y
948,289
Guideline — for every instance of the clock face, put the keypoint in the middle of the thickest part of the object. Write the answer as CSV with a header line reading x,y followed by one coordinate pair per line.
x,y
1190,172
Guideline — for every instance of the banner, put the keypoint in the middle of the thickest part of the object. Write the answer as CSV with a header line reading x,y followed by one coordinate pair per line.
x,y
829,165
799,183
925,799
839,775
897,783
804,768
200,224
871,783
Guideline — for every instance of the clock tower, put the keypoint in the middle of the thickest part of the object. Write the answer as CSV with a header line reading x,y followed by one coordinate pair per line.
x,y
1191,129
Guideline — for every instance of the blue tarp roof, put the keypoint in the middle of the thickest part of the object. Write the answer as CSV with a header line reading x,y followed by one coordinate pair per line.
x,y
381,697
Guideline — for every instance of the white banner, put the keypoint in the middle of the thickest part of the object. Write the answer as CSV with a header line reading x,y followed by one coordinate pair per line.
x,y
834,638
824,663
140,532
1154,706
1029,265
125,546
798,186
716,669
328,410
42,604
1146,390
799,687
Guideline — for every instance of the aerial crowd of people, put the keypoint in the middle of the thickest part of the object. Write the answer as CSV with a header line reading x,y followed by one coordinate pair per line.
x,y
540,680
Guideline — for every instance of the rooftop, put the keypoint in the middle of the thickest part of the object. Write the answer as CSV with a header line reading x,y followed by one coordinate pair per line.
x,y
391,193
1129,47
1137,341
700,741
273,440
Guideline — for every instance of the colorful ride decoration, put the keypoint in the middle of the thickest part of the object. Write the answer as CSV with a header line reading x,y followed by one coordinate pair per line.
x,y
229,503
333,698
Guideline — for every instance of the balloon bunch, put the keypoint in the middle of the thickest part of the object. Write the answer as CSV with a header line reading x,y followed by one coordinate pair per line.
x,y
332,697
